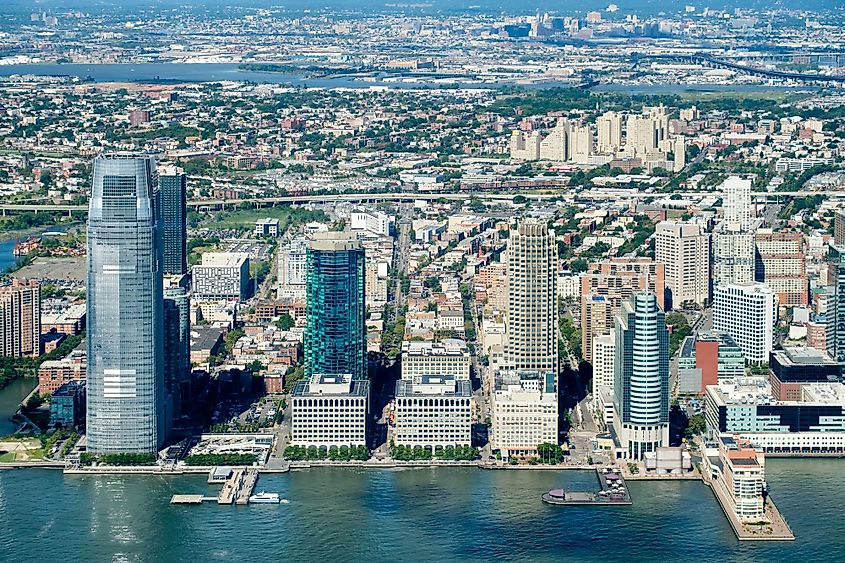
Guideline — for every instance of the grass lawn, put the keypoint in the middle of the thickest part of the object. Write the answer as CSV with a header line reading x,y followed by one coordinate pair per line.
x,y
7,457
247,217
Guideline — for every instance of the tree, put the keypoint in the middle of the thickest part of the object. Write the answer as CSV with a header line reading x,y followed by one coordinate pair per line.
x,y
697,425
285,322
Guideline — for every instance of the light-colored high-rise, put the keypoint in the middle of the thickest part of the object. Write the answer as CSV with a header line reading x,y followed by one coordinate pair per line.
x,y
736,203
604,360
641,377
125,317
609,126
733,256
532,298
555,145
580,144
748,313
291,269
684,249
733,239
20,319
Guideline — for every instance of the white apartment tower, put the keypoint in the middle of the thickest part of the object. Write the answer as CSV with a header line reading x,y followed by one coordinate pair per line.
x,y
685,251
733,240
555,146
748,313
532,298
580,144
609,127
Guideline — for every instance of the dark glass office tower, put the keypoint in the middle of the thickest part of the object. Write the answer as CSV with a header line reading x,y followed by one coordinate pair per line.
x,y
177,355
125,318
173,187
335,333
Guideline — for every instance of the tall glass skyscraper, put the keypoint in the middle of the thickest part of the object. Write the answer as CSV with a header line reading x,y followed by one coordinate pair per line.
x,y
335,333
641,377
173,187
125,319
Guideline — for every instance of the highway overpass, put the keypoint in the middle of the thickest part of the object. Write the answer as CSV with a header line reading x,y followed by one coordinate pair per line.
x,y
217,204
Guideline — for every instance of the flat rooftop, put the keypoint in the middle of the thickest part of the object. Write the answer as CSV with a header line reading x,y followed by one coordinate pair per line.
x,y
224,259
433,386
331,384
445,347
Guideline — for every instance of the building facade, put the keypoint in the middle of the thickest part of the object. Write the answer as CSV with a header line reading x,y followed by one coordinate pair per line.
x,y
684,250
532,299
525,413
780,264
335,324
125,318
748,313
330,410
641,386
433,412
20,319
291,269
221,276
449,357
173,185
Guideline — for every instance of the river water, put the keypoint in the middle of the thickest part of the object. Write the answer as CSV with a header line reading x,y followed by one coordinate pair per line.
x,y
432,514
10,397
211,72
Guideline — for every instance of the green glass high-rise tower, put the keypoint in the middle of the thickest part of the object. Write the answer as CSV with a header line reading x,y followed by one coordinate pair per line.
x,y
335,327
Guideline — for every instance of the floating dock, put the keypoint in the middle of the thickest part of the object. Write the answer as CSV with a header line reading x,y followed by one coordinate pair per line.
x,y
191,499
613,492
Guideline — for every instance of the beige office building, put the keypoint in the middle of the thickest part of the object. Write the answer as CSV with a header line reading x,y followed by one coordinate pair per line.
x,y
20,319
684,250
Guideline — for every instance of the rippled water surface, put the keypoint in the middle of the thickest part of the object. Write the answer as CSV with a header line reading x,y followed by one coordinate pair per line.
x,y
420,515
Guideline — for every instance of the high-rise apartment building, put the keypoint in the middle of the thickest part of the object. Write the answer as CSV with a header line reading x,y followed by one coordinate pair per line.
x,y
733,256
736,201
174,219
605,286
748,313
641,377
555,145
532,298
604,360
20,319
291,269
609,126
684,250
125,318
733,239
835,337
335,332
780,264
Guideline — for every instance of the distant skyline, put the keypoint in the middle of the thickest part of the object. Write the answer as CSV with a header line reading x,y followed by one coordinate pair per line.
x,y
644,7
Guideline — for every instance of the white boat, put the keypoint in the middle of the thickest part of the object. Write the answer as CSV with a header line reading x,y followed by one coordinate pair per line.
x,y
264,498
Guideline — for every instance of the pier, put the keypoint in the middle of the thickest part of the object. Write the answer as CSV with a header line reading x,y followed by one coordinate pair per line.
x,y
613,492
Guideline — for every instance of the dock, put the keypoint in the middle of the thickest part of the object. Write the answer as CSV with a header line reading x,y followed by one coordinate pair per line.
x,y
248,481
613,493
190,499
239,486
